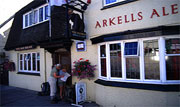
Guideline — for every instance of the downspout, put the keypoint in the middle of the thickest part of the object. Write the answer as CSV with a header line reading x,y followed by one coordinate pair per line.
x,y
45,72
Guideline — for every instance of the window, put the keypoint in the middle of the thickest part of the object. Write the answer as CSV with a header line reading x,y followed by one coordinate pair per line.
x,y
40,14
26,20
172,59
131,49
103,60
151,59
146,60
46,13
115,60
106,2
31,19
29,62
36,16
132,60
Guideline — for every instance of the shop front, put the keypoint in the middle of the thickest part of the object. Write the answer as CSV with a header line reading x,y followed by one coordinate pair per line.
x,y
135,44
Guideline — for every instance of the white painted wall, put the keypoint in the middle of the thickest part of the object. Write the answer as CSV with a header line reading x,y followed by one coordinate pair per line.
x,y
92,55
94,14
29,81
126,97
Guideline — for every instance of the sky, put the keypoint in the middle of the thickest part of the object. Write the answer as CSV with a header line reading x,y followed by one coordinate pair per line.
x,y
9,8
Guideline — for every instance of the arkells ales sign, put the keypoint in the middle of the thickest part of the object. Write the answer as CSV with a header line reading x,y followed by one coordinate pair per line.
x,y
139,16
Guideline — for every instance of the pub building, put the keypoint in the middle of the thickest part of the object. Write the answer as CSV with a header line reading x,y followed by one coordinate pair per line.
x,y
134,43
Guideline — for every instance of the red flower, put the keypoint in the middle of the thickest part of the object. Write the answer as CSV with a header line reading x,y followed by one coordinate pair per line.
x,y
78,71
81,59
87,60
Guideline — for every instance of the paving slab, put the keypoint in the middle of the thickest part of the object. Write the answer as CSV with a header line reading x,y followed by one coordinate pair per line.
x,y
15,97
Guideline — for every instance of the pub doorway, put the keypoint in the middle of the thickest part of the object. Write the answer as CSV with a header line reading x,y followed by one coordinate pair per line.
x,y
63,57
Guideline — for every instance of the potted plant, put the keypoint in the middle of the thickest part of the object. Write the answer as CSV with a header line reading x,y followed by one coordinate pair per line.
x,y
83,69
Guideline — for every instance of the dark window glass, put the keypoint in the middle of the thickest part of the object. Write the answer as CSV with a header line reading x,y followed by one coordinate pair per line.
x,y
31,18
173,46
38,62
41,14
103,60
34,61
103,50
173,61
46,12
131,48
21,57
21,65
110,1
29,61
151,59
25,62
173,67
26,20
132,68
103,67
35,16
38,65
115,58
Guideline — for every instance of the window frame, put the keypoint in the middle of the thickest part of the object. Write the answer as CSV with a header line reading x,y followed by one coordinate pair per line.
x,y
116,78
172,37
106,4
27,62
143,61
33,16
162,66
99,60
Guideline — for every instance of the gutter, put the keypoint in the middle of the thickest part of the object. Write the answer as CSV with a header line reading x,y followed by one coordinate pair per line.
x,y
9,19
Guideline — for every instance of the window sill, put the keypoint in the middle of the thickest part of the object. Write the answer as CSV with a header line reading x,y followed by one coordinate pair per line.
x,y
154,87
29,73
117,4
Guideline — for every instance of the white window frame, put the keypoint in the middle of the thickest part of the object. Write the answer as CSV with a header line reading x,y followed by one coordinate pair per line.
x,y
142,60
137,50
115,78
105,4
172,37
38,22
27,70
162,66
99,55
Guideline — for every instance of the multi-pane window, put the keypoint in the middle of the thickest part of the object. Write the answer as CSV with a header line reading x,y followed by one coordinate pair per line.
x,y
172,59
29,62
151,59
115,60
40,14
106,2
31,18
26,20
46,13
36,16
145,60
132,60
131,49
103,60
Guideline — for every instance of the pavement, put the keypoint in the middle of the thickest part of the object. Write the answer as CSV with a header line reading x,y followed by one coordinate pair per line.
x,y
13,96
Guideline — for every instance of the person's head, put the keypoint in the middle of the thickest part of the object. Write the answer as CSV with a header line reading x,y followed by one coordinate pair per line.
x,y
64,70
58,66
70,11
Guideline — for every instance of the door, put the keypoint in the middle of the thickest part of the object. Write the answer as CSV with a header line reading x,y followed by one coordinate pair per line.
x,y
63,57
4,76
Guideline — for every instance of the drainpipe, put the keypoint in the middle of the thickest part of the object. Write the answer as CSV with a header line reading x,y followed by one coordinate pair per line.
x,y
45,72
